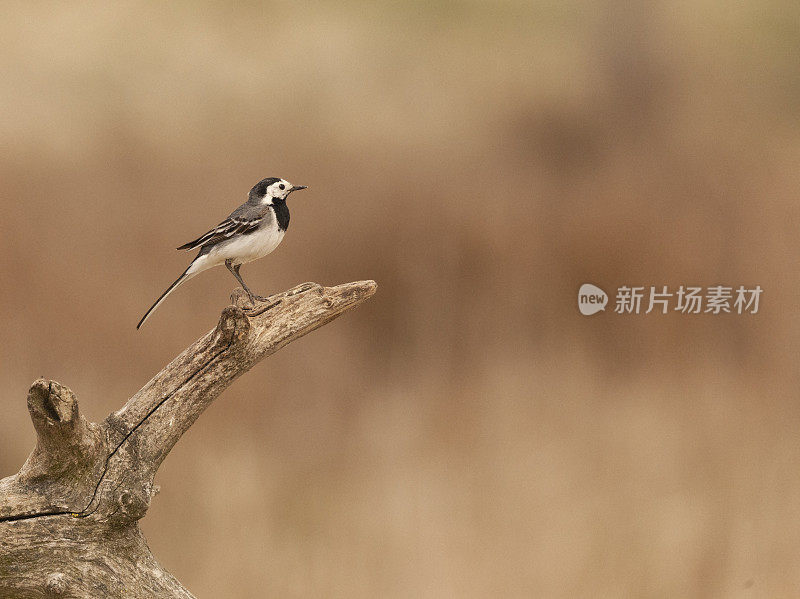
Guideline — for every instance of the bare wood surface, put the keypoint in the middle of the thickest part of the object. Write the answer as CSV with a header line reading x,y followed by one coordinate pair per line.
x,y
68,518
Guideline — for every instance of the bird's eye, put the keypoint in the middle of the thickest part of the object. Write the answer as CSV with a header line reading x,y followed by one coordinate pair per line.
x,y
282,186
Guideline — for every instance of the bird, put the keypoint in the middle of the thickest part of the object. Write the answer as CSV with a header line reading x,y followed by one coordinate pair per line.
x,y
250,232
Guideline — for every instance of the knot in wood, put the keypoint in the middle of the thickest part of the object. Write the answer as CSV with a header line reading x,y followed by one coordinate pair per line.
x,y
56,584
233,325
133,504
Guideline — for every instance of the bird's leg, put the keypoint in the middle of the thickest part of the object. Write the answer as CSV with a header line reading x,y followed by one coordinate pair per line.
x,y
235,272
260,298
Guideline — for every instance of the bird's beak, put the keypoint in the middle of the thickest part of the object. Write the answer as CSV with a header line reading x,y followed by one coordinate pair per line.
x,y
297,188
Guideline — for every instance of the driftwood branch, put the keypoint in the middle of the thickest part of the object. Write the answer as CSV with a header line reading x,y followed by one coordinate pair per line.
x,y
68,518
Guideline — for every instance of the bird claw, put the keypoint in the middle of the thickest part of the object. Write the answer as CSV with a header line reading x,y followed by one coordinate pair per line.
x,y
255,311
253,305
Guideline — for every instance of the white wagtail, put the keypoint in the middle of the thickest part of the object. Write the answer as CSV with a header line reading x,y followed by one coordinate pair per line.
x,y
251,232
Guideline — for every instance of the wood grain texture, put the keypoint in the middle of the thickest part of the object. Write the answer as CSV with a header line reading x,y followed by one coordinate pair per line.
x,y
69,517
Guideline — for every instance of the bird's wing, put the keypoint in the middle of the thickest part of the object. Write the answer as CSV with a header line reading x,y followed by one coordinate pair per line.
x,y
225,230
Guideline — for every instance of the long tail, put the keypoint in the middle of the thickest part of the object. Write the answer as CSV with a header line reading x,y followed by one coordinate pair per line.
x,y
184,277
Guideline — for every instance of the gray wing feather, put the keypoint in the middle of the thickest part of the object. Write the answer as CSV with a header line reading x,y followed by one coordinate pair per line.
x,y
245,219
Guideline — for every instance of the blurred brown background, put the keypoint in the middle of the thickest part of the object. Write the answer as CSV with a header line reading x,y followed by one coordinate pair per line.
x,y
467,433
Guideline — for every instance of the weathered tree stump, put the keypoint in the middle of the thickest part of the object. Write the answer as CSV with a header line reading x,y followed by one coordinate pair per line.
x,y
69,517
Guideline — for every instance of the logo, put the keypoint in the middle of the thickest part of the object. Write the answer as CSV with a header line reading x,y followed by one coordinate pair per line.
x,y
717,299
591,299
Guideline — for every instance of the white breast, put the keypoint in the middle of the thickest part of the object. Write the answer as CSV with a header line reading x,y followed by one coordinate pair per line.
x,y
246,248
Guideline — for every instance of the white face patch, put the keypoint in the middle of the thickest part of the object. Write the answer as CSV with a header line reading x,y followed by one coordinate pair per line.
x,y
275,191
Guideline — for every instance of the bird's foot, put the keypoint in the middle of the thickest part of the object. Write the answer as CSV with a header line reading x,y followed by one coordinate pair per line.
x,y
253,305
250,302
260,305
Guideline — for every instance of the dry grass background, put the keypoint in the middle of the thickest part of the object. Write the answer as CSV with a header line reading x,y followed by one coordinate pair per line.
x,y
466,433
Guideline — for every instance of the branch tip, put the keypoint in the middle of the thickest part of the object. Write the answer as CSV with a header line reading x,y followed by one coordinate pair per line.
x,y
52,401
360,290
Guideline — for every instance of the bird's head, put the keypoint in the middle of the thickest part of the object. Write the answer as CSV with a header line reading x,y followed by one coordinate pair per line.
x,y
271,191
